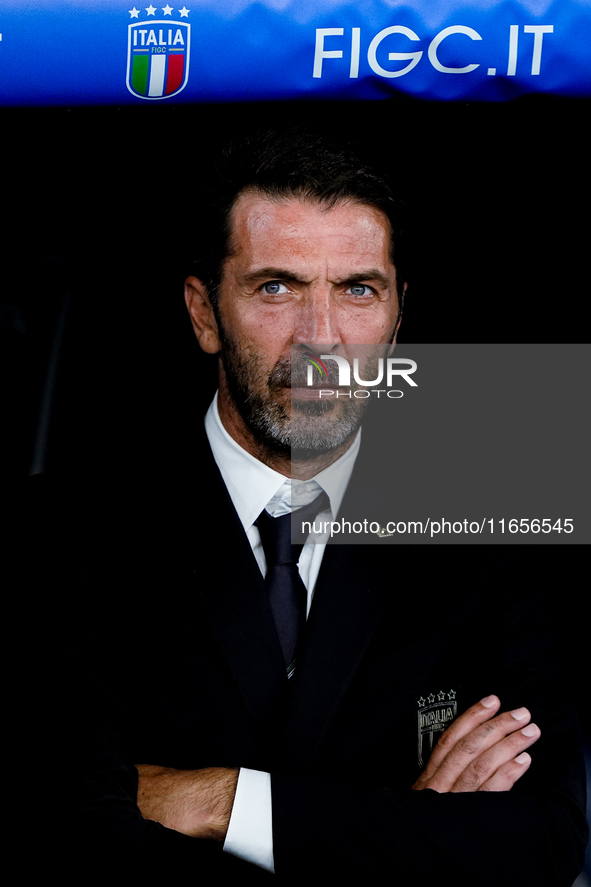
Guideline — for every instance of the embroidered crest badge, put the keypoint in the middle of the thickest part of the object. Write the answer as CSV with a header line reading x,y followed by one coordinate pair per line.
x,y
435,713
158,57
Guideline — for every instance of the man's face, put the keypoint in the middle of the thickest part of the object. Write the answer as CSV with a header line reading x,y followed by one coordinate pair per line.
x,y
301,280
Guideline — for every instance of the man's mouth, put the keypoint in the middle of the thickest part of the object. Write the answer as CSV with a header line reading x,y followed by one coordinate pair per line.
x,y
317,385
293,381
313,392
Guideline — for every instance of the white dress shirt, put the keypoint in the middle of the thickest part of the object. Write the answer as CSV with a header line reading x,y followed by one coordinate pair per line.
x,y
253,486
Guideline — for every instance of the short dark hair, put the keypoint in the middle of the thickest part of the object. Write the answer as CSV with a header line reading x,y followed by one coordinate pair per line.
x,y
290,163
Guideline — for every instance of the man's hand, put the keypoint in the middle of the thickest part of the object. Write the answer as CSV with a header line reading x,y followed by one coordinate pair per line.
x,y
195,802
480,752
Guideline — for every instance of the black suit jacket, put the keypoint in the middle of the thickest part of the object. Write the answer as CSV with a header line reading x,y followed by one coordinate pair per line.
x,y
176,662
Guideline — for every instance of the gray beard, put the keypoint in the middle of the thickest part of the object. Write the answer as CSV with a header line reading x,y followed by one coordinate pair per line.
x,y
309,431
302,433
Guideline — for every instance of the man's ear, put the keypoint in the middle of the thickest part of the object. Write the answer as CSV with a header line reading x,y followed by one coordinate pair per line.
x,y
202,315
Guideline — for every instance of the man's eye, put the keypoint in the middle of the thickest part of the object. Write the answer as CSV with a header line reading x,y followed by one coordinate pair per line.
x,y
360,289
274,288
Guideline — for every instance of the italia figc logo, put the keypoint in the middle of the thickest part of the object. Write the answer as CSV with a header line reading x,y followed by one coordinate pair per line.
x,y
158,53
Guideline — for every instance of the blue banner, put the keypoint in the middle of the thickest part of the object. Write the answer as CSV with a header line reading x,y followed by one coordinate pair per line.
x,y
76,52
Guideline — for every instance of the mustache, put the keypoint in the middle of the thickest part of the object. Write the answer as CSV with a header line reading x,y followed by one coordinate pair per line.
x,y
288,373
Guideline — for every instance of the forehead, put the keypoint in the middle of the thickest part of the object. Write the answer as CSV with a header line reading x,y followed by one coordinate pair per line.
x,y
270,229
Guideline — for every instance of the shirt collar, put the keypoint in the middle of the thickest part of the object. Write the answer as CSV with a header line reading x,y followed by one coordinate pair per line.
x,y
252,484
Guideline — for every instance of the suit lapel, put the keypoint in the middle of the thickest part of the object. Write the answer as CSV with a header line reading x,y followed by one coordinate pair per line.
x,y
233,593
345,612
355,583
351,593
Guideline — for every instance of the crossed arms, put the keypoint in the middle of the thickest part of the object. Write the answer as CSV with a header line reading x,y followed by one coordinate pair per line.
x,y
479,813
480,751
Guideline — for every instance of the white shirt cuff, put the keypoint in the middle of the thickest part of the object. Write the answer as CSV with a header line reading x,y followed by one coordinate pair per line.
x,y
250,832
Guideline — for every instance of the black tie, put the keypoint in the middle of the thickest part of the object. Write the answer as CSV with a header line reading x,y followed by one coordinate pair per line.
x,y
287,593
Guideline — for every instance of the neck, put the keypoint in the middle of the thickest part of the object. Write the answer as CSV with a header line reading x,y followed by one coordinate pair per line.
x,y
283,462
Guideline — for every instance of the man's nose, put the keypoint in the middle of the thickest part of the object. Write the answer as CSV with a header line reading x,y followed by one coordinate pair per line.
x,y
317,323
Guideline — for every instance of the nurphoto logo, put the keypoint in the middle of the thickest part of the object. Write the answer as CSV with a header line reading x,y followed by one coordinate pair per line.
x,y
383,371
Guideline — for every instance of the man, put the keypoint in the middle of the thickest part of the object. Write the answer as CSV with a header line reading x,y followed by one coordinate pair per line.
x,y
220,741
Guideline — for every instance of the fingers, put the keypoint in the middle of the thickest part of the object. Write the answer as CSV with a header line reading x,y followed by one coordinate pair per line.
x,y
462,726
480,751
496,768
506,776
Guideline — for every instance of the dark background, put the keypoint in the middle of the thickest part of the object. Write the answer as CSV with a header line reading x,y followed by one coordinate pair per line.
x,y
100,206
99,362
